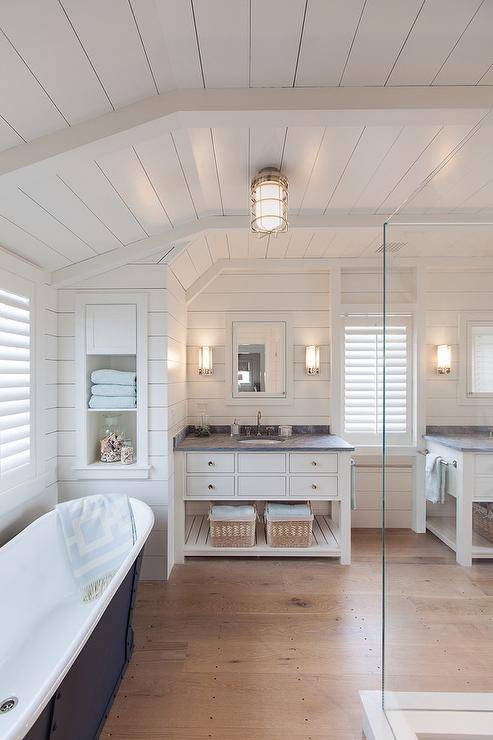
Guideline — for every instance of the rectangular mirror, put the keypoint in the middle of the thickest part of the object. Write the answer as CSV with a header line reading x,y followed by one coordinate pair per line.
x,y
259,359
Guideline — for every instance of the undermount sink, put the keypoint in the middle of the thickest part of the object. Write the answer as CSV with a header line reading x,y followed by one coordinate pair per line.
x,y
260,440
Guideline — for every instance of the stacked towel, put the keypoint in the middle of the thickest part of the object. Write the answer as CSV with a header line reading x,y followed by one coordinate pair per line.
x,y
113,389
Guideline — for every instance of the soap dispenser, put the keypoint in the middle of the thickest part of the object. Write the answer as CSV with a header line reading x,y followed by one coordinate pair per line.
x,y
235,428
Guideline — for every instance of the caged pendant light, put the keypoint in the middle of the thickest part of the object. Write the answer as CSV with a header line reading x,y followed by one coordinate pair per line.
x,y
269,202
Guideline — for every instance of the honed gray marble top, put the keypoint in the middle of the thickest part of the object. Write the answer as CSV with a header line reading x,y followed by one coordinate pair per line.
x,y
226,443
466,439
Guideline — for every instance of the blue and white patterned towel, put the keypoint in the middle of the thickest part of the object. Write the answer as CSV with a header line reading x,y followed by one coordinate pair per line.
x,y
99,531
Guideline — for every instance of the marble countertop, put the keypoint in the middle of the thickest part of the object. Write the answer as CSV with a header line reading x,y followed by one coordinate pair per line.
x,y
466,439
226,443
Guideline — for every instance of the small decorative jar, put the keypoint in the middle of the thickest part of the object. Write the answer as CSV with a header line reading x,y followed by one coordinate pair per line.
x,y
127,456
112,442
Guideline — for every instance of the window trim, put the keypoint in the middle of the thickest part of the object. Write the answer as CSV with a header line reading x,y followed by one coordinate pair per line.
x,y
397,439
13,283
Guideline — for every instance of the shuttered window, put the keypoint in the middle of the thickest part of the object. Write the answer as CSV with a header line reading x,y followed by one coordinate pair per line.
x,y
364,376
481,340
15,387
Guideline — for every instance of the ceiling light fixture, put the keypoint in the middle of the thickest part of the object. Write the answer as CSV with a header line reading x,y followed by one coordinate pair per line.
x,y
269,202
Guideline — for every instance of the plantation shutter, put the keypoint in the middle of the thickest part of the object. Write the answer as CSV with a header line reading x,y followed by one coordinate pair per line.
x,y
15,384
482,359
363,379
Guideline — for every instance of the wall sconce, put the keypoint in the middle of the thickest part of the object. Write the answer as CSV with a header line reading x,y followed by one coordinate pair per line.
x,y
312,359
205,360
444,355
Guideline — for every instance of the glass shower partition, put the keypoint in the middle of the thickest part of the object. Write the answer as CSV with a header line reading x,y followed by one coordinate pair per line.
x,y
437,479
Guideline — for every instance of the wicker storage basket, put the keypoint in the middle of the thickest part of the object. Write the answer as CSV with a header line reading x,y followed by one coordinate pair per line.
x,y
288,525
232,526
482,520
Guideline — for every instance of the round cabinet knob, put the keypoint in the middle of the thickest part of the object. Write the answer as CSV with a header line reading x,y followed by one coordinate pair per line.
x,y
314,486
210,463
210,486
314,462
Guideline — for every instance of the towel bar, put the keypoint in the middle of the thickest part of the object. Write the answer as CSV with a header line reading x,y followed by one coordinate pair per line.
x,y
442,462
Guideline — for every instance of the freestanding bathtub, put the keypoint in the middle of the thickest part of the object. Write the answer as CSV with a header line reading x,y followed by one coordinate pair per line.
x,y
61,659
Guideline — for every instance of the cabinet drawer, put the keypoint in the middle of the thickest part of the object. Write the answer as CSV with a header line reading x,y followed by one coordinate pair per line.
x,y
210,462
260,485
315,462
483,464
313,485
210,486
262,462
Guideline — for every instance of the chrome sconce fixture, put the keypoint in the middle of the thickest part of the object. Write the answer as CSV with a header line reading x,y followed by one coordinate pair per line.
x,y
312,359
205,360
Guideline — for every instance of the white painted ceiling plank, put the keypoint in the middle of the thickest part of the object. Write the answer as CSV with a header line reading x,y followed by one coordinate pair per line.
x,y
238,244
372,147
276,29
300,157
184,269
406,150
177,27
26,245
443,144
23,102
473,55
320,243
27,214
329,30
335,152
218,245
257,246
196,155
352,242
231,146
8,137
43,36
265,148
61,202
92,187
223,33
128,177
278,245
199,253
148,20
298,243
381,34
431,40
163,167
110,37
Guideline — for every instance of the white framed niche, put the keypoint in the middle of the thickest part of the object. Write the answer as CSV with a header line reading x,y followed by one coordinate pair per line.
x,y
236,322
110,333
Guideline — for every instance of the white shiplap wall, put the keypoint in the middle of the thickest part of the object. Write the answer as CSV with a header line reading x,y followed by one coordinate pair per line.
x,y
167,401
307,297
22,505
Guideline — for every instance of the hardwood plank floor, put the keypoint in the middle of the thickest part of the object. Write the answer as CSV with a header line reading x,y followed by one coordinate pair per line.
x,y
265,649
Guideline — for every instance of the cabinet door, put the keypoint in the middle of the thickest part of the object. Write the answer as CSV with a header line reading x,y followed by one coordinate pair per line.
x,y
111,329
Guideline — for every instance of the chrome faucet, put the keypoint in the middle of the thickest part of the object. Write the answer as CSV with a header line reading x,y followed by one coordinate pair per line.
x,y
259,418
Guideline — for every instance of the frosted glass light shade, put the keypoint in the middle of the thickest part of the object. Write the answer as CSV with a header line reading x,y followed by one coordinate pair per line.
x,y
269,202
444,358
312,359
205,360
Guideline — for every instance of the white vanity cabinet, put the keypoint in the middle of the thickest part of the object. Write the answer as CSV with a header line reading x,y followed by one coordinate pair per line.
x,y
321,477
469,478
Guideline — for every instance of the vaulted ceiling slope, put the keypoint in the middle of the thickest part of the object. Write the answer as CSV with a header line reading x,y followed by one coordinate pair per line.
x,y
66,61
70,68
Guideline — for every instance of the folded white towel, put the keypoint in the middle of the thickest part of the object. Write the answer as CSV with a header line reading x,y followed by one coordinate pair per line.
x,y
118,377
112,402
113,390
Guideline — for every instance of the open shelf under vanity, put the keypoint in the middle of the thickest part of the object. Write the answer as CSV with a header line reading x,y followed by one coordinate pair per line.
x,y
444,527
325,541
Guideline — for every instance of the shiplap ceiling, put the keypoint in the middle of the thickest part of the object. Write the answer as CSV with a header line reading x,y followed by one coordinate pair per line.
x,y
68,61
